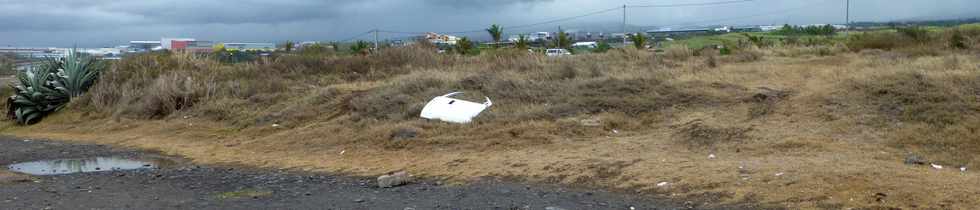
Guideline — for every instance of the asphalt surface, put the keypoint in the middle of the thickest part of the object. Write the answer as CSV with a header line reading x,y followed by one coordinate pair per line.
x,y
179,185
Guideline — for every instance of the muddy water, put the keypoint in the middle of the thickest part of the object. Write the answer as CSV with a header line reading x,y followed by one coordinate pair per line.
x,y
82,165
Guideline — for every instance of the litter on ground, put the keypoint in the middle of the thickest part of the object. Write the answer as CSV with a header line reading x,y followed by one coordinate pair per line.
x,y
453,110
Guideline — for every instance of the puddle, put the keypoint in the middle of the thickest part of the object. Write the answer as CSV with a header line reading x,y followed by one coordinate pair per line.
x,y
83,165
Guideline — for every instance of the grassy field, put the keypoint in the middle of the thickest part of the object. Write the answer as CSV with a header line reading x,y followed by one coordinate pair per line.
x,y
797,126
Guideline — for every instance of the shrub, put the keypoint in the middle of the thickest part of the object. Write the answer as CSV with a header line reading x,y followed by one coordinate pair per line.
x,y
915,33
602,47
464,46
7,63
360,47
51,86
639,40
915,97
679,52
875,40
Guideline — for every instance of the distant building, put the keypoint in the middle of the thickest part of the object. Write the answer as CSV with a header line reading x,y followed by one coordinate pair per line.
x,y
250,46
586,45
770,28
30,52
665,33
440,39
102,52
168,43
144,46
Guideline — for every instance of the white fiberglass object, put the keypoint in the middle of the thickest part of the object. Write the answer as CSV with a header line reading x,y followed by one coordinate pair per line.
x,y
453,110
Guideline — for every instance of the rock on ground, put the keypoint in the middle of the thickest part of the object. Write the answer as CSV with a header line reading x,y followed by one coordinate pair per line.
x,y
395,179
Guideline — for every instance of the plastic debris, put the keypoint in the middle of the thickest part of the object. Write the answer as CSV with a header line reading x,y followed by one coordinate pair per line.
x,y
711,156
780,174
937,166
275,125
662,184
963,169
343,151
453,110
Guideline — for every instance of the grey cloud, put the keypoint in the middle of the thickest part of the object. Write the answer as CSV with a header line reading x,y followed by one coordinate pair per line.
x,y
106,22
482,4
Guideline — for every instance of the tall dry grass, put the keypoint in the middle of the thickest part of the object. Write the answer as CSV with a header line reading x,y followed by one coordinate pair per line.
x,y
370,97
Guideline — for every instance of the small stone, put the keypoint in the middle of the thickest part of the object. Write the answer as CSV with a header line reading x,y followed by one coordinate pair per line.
x,y
553,208
395,179
358,200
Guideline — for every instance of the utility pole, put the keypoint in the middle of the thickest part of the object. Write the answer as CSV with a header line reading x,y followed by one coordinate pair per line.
x,y
847,18
376,49
558,37
624,26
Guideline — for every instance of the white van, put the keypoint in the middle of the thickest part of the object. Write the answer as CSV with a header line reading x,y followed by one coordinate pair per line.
x,y
557,52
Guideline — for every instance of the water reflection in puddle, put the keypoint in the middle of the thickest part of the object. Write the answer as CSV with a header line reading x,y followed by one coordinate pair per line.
x,y
83,165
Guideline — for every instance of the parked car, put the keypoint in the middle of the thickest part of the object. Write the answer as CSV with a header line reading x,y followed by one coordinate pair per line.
x,y
557,52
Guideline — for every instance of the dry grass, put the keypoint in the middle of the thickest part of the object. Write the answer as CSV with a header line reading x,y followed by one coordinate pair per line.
x,y
796,127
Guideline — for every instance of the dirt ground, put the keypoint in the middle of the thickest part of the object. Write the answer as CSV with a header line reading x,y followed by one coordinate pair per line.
x,y
636,164
183,185
814,149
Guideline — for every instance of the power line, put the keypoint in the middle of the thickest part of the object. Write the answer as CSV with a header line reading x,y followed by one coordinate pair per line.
x,y
357,36
776,12
689,4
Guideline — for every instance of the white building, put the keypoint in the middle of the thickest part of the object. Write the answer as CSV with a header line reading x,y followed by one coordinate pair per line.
x,y
250,46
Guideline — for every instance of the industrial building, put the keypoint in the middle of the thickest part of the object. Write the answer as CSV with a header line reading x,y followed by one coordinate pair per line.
x,y
167,43
144,46
250,46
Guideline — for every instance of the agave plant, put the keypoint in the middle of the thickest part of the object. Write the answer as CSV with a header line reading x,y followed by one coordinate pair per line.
x,y
76,73
51,85
35,96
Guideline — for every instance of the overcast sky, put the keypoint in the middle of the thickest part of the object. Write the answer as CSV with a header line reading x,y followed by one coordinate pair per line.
x,y
91,23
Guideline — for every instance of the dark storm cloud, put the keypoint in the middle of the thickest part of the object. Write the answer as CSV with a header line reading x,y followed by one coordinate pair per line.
x,y
106,22
75,14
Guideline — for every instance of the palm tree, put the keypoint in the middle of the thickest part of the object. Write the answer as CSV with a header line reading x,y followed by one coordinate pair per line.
x,y
464,45
495,32
360,47
288,46
563,40
639,40
522,42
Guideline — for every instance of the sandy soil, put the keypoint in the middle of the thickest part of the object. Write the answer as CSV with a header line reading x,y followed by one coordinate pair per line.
x,y
832,174
182,185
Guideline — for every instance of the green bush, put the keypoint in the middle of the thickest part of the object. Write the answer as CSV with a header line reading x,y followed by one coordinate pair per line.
x,y
915,33
49,87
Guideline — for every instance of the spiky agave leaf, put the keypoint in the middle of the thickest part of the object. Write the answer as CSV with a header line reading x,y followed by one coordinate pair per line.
x,y
50,86
35,97
77,73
